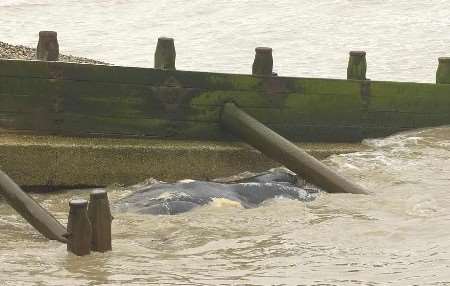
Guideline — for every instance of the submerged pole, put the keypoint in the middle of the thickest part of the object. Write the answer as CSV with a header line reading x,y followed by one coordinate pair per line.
x,y
443,71
282,150
357,65
263,62
101,218
30,210
165,54
48,47
79,228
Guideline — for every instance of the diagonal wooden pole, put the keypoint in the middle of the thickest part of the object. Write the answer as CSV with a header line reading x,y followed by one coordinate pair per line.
x,y
285,152
30,210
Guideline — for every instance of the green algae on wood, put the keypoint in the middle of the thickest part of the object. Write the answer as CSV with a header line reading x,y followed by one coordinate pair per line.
x,y
95,100
443,71
357,65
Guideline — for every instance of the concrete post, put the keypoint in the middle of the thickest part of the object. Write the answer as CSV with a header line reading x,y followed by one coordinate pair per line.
x,y
79,229
443,71
357,65
48,47
100,217
263,63
165,54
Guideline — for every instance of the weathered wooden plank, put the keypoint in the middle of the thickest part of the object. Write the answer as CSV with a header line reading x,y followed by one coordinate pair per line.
x,y
124,101
206,80
390,119
151,102
318,133
35,121
409,97
130,75
23,110
81,125
174,78
27,94
431,120
327,133
22,68
139,94
76,124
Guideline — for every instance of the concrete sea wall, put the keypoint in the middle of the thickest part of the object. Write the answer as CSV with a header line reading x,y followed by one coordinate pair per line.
x,y
49,162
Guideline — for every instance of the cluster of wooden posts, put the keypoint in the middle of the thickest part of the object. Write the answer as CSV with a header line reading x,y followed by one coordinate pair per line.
x,y
89,224
165,54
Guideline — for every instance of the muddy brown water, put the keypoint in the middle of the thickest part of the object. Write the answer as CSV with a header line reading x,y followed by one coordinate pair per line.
x,y
399,235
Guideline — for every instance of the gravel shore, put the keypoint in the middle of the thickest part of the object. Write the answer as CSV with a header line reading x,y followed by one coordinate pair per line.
x,y
8,51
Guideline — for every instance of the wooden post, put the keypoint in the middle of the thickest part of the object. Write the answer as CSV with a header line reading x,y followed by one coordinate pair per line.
x,y
30,210
357,65
263,63
282,150
443,71
100,217
48,47
165,54
79,228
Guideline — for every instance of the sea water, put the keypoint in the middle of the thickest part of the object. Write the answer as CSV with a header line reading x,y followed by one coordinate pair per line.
x,y
398,235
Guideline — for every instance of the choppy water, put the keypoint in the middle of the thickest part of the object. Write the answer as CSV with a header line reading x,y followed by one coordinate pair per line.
x,y
399,235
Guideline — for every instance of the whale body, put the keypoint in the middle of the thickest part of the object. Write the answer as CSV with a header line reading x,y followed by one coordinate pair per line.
x,y
249,191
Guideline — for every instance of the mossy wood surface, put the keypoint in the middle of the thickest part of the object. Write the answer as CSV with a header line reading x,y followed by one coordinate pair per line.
x,y
85,100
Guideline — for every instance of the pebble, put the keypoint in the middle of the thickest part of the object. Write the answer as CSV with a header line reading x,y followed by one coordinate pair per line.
x,y
8,51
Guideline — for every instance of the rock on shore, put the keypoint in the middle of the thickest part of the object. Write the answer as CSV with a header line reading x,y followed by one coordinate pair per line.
x,y
8,51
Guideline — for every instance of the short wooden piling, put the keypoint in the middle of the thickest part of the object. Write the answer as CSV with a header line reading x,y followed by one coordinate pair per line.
x,y
48,47
79,229
357,65
165,54
443,71
100,217
263,63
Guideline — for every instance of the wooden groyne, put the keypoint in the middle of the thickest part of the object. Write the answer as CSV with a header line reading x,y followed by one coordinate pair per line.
x,y
47,97
124,124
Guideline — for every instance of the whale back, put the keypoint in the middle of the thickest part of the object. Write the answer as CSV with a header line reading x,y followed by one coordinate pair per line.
x,y
249,191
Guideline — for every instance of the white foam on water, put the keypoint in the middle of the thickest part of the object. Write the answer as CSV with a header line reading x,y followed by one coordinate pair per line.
x,y
186,181
224,203
399,235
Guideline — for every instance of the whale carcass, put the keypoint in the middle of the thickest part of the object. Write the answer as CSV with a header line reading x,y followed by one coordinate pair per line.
x,y
247,189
